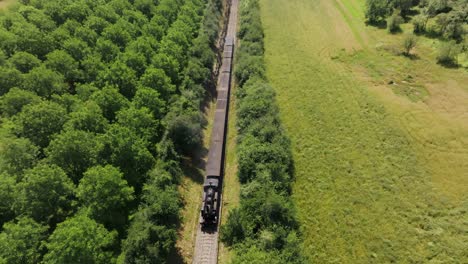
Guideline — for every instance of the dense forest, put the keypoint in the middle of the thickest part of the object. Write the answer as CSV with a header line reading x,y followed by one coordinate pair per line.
x,y
444,19
99,101
263,229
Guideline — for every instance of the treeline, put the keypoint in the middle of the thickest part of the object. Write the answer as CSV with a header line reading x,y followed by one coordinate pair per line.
x,y
445,18
99,100
263,229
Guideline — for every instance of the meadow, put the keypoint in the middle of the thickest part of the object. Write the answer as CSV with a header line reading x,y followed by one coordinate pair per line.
x,y
380,141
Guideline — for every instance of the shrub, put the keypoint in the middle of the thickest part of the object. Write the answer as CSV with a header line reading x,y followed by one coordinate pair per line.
x,y
394,22
419,23
448,53
409,42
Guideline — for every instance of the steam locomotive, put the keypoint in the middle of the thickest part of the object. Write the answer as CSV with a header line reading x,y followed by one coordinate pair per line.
x,y
215,164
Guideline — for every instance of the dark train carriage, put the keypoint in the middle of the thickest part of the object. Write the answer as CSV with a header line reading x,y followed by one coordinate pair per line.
x,y
224,81
214,165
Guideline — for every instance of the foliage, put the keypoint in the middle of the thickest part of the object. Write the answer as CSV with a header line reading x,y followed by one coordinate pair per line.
x,y
21,241
79,239
44,194
394,22
409,43
105,195
39,122
266,217
18,154
7,198
12,102
376,10
419,23
99,88
447,53
74,151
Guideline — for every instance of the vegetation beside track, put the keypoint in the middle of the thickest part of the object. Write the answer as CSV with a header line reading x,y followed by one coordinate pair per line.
x,y
264,227
100,99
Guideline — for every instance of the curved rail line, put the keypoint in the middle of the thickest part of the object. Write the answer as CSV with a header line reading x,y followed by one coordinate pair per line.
x,y
206,244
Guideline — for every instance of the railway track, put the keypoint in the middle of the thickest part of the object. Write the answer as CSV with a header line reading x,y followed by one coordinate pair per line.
x,y
206,244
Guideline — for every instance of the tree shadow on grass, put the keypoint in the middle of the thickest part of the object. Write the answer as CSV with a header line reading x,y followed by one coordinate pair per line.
x,y
411,56
381,24
449,64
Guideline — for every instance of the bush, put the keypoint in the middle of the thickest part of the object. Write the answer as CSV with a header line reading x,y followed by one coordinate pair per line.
x,y
409,42
448,53
419,23
394,22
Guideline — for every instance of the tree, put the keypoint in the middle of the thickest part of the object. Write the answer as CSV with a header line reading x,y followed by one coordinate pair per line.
x,y
24,61
140,121
152,233
403,5
45,194
107,49
39,122
17,155
120,76
448,53
151,99
146,242
394,22
7,198
97,24
376,10
60,61
105,195
409,43
110,101
20,241
158,80
185,131
9,78
79,239
74,151
419,23
44,82
125,150
77,48
87,118
12,102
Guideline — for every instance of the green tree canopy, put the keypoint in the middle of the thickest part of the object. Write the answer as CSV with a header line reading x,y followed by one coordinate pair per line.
x,y
39,122
60,61
7,198
140,121
17,155
151,99
88,118
12,102
79,239
45,194
24,61
74,151
21,241
124,149
44,82
105,194
9,77
110,101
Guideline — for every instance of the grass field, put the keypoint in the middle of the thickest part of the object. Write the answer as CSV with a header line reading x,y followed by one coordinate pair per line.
x,y
380,141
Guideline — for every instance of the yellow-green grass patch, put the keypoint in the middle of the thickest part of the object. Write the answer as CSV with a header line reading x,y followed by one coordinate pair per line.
x,y
369,186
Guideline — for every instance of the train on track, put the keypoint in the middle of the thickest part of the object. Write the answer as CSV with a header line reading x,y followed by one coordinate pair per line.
x,y
215,164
